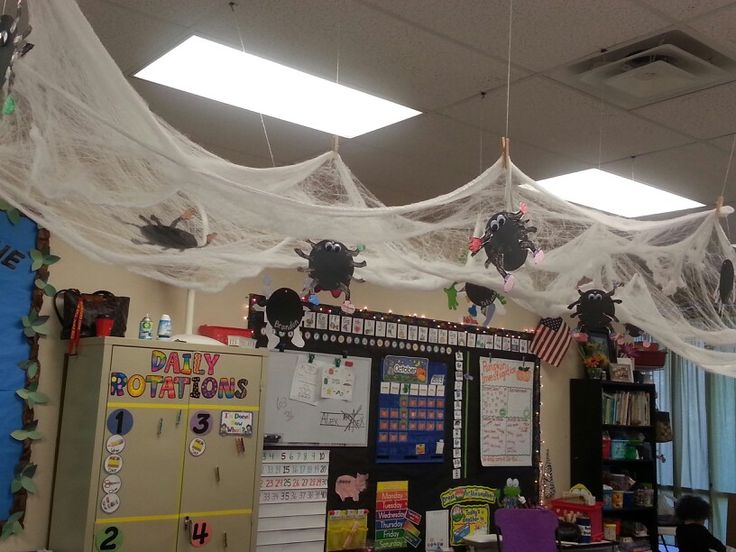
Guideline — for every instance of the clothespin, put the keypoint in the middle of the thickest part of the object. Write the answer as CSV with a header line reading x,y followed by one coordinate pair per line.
x,y
160,426
505,151
338,361
178,418
311,358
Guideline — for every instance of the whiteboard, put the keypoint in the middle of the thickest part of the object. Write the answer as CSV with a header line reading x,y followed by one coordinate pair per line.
x,y
330,422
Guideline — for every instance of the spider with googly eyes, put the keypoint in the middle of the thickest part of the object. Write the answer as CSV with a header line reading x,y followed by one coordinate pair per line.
x,y
596,309
331,268
506,243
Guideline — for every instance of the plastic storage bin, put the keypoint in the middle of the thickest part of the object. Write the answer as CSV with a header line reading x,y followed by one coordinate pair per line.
x,y
224,334
595,512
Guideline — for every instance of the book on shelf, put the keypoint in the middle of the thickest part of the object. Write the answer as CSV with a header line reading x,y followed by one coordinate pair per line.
x,y
626,408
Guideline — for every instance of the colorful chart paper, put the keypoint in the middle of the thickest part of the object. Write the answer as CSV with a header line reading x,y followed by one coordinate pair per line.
x,y
465,520
506,411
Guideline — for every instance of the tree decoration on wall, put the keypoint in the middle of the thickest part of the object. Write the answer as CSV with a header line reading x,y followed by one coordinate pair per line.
x,y
547,487
506,243
170,236
725,286
284,313
22,269
596,310
331,268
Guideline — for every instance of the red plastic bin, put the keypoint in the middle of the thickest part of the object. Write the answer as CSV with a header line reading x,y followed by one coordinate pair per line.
x,y
561,506
221,333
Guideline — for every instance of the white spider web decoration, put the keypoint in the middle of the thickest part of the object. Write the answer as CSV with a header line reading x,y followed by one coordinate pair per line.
x,y
84,156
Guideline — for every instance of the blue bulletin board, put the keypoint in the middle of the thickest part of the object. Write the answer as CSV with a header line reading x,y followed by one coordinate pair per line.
x,y
411,405
16,287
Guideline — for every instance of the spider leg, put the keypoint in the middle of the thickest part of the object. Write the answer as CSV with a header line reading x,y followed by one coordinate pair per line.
x,y
155,219
617,300
139,242
528,244
144,219
346,290
301,253
497,260
359,280
531,229
360,264
174,222
571,305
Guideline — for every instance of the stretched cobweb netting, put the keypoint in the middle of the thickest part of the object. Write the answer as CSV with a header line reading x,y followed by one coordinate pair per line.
x,y
84,156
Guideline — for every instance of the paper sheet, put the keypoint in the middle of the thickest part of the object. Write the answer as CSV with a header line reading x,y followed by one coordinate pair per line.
x,y
437,525
305,383
337,382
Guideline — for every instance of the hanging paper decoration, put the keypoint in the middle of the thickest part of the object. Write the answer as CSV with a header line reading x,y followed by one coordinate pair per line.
x,y
331,267
169,236
596,309
506,243
451,293
484,298
284,313
725,286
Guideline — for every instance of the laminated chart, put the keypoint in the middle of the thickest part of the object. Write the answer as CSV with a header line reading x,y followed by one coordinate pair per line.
x,y
506,412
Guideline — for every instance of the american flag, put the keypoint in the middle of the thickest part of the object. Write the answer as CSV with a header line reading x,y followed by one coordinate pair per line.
x,y
551,340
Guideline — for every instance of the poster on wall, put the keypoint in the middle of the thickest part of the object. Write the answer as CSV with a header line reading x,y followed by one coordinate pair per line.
x,y
506,412
411,408
16,282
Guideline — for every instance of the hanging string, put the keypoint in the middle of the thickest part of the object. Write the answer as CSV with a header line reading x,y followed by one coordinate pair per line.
x,y
236,22
336,138
719,202
508,69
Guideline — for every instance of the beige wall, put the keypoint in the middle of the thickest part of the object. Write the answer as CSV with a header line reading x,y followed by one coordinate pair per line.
x,y
228,308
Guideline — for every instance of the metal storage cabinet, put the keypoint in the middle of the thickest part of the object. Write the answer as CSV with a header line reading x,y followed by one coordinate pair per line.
x,y
173,393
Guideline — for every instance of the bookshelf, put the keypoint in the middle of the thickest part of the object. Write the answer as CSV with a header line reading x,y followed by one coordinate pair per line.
x,y
587,465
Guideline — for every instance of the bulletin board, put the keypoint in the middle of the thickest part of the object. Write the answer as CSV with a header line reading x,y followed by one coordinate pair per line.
x,y
457,487
309,419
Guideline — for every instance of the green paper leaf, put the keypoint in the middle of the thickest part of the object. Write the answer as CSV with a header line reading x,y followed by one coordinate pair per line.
x,y
33,316
39,283
33,386
15,485
37,258
30,470
28,484
49,290
30,403
13,518
24,364
29,332
42,329
9,105
26,321
38,397
19,435
13,215
32,370
35,435
51,259
23,393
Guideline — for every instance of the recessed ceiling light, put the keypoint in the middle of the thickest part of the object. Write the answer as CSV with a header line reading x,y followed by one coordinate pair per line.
x,y
615,194
205,68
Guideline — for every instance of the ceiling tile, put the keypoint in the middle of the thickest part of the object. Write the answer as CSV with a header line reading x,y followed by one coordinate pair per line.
x,y
131,38
181,12
209,122
705,114
559,119
686,9
379,54
719,26
545,33
695,171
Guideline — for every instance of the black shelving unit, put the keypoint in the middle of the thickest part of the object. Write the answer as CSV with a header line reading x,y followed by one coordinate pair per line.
x,y
586,452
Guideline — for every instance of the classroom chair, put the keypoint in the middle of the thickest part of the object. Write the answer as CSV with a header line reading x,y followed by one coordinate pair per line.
x,y
525,529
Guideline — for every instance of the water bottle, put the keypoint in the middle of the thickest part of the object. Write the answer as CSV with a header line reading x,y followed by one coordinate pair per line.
x,y
145,328
164,327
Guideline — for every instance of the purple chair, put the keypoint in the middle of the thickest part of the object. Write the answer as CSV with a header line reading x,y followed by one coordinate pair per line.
x,y
527,529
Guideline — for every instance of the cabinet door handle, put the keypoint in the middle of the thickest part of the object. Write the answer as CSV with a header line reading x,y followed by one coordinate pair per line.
x,y
188,527
224,539
217,474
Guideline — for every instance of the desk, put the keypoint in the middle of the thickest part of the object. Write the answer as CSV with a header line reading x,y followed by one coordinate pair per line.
x,y
603,546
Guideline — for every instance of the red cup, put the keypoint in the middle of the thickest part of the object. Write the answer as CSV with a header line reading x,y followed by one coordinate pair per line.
x,y
104,326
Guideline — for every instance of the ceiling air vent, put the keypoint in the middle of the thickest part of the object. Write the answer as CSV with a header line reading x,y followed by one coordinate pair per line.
x,y
652,70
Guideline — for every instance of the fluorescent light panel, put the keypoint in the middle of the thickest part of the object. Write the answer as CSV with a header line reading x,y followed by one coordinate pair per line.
x,y
615,194
205,68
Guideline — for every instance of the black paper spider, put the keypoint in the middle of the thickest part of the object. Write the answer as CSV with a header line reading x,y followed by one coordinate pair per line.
x,y
725,286
169,236
506,243
596,310
284,313
484,298
331,267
